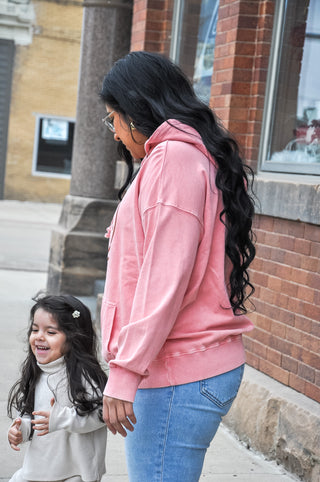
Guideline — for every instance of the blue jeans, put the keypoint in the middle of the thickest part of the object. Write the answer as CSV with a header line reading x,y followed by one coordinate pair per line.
x,y
175,426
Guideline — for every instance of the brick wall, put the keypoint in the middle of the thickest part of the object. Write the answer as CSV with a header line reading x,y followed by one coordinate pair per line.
x,y
285,343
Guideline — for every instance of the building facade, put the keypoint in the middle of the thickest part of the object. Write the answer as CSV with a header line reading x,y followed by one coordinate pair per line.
x,y
39,65
255,62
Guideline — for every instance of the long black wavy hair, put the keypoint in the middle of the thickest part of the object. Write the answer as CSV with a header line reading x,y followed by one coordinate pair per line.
x,y
81,361
149,89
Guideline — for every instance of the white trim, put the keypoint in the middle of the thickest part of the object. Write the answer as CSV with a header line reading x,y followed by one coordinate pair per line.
x,y
16,20
51,174
178,10
272,78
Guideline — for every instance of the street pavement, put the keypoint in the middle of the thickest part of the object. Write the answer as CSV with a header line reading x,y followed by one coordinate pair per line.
x,y
25,232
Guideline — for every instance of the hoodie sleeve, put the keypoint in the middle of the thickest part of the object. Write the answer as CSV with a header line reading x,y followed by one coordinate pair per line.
x,y
172,223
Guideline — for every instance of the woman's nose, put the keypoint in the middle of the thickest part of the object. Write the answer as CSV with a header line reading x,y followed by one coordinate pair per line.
x,y
116,137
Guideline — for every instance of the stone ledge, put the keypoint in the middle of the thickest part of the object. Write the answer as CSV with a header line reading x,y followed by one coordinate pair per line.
x,y
279,422
289,197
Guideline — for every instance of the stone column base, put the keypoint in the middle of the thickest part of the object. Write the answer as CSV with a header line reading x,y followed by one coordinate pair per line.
x,y
78,255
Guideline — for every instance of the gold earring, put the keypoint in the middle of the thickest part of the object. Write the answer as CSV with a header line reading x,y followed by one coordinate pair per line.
x,y
132,126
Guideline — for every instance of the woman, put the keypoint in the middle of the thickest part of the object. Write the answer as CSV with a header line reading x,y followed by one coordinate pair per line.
x,y
180,245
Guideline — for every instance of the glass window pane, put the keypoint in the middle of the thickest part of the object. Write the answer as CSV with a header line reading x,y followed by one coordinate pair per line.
x,y
54,146
196,40
294,144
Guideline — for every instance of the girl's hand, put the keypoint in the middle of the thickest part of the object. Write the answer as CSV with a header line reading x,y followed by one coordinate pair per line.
x,y
15,434
41,425
118,414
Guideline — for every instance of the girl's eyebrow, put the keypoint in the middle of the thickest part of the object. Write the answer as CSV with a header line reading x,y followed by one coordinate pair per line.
x,y
50,327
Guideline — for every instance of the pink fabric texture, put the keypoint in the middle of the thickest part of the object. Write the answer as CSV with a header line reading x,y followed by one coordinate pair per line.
x,y
166,318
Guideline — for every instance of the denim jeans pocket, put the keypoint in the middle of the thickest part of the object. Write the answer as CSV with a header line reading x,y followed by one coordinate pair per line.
x,y
222,389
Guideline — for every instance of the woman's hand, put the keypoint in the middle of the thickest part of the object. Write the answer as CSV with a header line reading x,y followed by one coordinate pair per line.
x,y
15,434
118,415
41,425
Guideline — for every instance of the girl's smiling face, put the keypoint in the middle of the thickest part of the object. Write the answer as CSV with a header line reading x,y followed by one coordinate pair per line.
x,y
47,341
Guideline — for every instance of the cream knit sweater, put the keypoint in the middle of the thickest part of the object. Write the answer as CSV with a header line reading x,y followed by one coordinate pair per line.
x,y
75,445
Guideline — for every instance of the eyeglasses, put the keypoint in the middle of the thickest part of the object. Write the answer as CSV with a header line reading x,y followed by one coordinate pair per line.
x,y
109,122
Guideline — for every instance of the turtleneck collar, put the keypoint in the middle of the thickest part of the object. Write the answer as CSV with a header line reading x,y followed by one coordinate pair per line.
x,y
53,366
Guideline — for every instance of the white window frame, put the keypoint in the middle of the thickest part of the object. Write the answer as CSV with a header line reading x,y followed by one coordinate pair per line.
x,y
178,10
265,164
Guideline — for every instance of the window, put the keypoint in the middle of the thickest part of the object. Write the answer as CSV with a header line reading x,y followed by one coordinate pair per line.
x,y
53,146
193,40
292,109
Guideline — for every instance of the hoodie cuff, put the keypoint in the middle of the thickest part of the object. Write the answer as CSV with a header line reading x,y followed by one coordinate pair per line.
x,y
122,384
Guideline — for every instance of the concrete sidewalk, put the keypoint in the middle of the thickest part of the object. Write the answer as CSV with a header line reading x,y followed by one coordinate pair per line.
x,y
24,251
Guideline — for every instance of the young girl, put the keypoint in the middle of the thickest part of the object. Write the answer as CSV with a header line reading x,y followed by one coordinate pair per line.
x,y
59,396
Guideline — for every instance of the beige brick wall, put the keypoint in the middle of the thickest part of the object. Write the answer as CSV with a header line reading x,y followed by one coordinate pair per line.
x,y
45,81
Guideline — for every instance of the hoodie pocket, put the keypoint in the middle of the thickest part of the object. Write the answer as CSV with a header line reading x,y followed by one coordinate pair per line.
x,y
108,314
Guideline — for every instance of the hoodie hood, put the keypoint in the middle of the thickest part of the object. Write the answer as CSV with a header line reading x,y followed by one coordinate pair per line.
x,y
174,130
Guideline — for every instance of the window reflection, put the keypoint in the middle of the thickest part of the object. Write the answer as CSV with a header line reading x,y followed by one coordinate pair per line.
x,y
295,131
53,146
195,38
203,67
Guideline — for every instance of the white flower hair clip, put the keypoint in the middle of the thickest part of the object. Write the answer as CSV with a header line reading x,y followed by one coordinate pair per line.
x,y
76,314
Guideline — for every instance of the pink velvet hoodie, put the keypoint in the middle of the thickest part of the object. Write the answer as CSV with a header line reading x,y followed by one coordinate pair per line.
x,y
166,318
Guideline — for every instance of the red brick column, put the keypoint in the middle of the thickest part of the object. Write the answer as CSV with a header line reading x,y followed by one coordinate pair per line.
x,y
242,48
151,25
